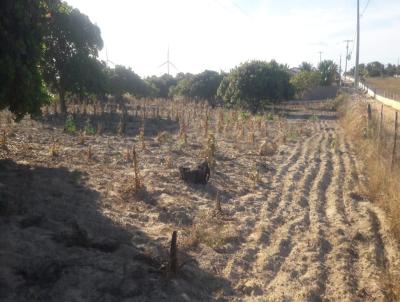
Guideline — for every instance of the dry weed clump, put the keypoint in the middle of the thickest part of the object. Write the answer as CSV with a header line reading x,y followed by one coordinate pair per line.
x,y
211,231
255,176
383,182
267,148
163,137
54,149
89,153
3,140
82,137
210,150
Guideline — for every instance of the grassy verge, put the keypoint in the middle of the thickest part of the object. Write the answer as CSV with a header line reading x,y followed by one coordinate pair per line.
x,y
375,147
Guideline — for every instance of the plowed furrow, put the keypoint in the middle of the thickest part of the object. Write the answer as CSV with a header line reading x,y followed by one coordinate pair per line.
x,y
240,264
285,230
341,284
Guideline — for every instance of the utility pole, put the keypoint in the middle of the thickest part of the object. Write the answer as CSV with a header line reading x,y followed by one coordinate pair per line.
x,y
340,72
356,75
168,61
320,56
347,55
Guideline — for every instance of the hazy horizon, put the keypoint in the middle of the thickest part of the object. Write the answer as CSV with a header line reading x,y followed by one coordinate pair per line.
x,y
220,34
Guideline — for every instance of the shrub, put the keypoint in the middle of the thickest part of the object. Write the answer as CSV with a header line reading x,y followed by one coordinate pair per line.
x,y
89,129
70,126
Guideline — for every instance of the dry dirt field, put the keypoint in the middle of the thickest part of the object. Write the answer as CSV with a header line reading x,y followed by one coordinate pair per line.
x,y
292,225
387,86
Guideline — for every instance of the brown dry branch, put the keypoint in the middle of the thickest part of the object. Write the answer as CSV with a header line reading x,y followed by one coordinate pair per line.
x,y
3,140
252,137
206,125
142,138
240,131
100,128
54,149
173,255
220,124
137,180
218,208
127,155
209,150
89,153
82,137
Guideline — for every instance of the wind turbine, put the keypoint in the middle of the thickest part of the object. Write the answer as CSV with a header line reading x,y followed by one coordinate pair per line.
x,y
168,63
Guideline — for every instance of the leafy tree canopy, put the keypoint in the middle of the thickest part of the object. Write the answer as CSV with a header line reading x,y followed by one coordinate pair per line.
x,y
162,85
71,39
205,85
305,66
22,24
255,83
328,70
375,69
123,80
305,81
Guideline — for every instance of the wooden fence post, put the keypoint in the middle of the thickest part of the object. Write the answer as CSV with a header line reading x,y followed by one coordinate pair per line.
x,y
380,125
369,113
173,257
394,143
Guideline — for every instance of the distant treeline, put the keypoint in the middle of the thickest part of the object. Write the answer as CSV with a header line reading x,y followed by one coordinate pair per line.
x,y
50,52
376,69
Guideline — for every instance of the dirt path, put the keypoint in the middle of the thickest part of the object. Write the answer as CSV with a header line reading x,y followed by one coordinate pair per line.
x,y
315,238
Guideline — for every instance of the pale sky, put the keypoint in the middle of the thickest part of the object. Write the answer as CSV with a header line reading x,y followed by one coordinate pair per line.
x,y
220,34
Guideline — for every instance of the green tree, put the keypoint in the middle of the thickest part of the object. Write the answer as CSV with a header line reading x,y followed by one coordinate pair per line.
x,y
22,23
182,88
205,85
255,83
328,70
162,84
305,66
304,81
85,76
375,69
123,80
390,70
71,39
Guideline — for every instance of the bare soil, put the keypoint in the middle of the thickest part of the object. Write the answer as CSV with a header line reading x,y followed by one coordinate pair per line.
x,y
293,225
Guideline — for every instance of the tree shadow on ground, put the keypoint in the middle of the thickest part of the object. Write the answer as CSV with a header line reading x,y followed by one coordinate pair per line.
x,y
111,122
316,116
57,245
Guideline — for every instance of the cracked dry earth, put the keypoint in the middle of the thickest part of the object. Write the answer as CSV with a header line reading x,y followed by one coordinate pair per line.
x,y
304,232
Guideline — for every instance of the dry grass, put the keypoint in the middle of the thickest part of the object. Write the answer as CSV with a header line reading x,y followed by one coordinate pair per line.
x,y
388,84
211,231
383,182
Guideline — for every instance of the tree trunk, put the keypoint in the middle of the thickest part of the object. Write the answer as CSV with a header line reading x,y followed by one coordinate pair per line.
x,y
63,107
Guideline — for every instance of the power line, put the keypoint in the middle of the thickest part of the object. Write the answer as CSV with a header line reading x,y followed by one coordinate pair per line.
x,y
365,8
235,5
240,9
